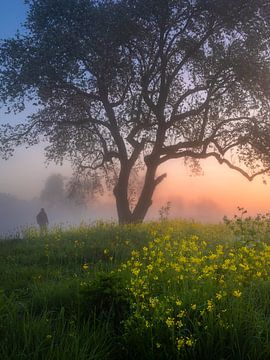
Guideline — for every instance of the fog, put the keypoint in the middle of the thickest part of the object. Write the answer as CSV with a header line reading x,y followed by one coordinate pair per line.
x,y
23,177
202,210
17,214
207,198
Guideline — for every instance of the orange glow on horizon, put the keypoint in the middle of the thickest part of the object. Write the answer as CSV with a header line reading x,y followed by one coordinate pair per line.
x,y
219,187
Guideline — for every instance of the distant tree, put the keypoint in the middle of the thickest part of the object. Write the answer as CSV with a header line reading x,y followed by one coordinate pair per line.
x,y
53,192
81,190
61,192
130,84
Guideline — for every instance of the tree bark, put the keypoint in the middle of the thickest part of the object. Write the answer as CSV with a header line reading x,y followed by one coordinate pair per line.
x,y
145,199
125,216
121,196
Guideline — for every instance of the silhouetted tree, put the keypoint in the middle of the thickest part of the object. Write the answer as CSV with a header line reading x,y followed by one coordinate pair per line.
x,y
126,84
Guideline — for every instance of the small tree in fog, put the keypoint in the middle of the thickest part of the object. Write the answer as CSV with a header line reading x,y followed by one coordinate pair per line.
x,y
53,192
126,85
60,193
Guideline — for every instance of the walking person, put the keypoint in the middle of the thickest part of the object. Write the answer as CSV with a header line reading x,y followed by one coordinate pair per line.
x,y
42,220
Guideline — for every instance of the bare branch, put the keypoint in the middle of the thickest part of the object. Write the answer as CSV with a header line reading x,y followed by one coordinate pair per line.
x,y
114,128
78,91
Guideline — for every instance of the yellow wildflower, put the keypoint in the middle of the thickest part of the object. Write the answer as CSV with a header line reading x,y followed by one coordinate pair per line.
x,y
219,295
237,293
210,305
180,343
189,341
170,322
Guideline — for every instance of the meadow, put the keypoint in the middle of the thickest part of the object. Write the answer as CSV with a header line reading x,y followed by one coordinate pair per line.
x,y
158,290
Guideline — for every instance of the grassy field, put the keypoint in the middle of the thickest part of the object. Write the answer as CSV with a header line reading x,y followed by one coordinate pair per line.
x,y
167,290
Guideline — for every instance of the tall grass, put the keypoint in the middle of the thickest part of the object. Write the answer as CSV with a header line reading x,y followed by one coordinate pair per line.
x,y
162,290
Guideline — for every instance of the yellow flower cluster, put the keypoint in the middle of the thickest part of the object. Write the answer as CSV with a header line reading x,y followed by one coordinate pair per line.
x,y
175,280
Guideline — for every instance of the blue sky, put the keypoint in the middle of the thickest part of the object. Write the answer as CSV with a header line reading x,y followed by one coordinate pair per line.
x,y
25,173
12,16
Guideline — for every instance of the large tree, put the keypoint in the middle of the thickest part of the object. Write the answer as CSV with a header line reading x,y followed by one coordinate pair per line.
x,y
122,85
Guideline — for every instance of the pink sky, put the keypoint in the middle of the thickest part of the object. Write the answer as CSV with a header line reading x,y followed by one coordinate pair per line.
x,y
220,189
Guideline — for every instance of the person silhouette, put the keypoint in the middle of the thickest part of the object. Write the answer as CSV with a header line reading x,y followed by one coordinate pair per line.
x,y
42,220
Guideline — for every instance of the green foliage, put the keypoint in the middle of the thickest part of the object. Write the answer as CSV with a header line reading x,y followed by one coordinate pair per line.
x,y
160,290
106,297
51,335
164,211
47,290
249,230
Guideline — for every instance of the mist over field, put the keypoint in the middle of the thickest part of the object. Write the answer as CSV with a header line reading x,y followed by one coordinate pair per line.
x,y
17,214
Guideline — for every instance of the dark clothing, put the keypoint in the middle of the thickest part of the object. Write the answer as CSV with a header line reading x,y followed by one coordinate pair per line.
x,y
42,220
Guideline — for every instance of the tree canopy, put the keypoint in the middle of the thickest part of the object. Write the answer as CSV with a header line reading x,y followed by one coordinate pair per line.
x,y
129,84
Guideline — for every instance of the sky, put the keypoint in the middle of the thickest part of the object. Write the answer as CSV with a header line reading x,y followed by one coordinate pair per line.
x,y
12,15
219,191
17,177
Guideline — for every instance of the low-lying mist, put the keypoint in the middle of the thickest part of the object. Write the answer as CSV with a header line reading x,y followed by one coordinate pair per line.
x,y
16,214
61,209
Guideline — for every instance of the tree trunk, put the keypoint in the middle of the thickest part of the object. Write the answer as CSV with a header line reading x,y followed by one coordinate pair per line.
x,y
125,216
121,196
145,199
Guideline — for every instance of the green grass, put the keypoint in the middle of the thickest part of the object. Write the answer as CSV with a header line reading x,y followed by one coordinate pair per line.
x,y
77,294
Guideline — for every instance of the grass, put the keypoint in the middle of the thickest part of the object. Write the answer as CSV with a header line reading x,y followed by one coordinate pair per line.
x,y
163,290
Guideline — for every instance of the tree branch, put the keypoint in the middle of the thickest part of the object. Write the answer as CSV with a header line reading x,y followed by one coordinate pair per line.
x,y
221,160
188,55
18,137
159,179
184,96
237,168
114,128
